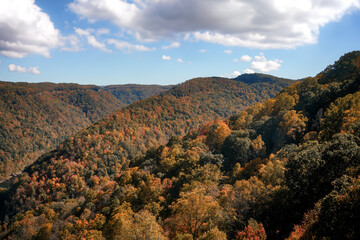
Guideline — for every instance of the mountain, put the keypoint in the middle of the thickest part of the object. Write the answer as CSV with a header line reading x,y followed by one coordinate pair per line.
x,y
260,78
287,168
129,93
35,118
99,155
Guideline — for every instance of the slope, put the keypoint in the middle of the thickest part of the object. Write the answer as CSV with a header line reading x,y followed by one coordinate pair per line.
x,y
99,154
36,117
129,93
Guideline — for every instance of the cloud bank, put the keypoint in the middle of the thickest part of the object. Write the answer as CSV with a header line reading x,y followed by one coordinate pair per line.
x,y
25,29
248,23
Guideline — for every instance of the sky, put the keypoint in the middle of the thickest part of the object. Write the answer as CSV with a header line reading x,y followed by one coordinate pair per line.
x,y
164,42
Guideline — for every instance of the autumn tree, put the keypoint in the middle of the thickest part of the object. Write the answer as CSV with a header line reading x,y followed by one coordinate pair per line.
x,y
253,231
194,213
293,124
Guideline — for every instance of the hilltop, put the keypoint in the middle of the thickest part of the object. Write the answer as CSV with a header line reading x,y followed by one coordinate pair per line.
x,y
36,117
110,146
129,93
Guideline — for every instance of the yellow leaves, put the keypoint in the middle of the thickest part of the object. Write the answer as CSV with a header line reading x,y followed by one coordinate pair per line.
x,y
351,117
194,211
283,102
293,123
273,172
127,225
258,144
243,122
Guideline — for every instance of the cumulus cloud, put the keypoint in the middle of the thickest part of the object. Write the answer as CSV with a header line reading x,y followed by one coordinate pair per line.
x,y
128,47
172,45
96,44
261,64
102,31
16,68
72,43
228,51
91,40
180,60
26,29
257,24
202,51
249,71
164,57
245,58
235,74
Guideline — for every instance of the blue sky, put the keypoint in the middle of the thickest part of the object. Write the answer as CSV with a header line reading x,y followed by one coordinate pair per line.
x,y
170,41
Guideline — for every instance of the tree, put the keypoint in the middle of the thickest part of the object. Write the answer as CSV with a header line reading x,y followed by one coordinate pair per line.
x,y
127,225
236,149
293,124
253,231
217,134
195,212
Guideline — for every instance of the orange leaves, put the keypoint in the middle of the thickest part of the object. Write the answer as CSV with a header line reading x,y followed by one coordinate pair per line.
x,y
293,123
253,231
217,134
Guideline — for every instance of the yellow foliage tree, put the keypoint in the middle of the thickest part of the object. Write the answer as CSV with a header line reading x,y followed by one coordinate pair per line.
x,y
293,123
195,212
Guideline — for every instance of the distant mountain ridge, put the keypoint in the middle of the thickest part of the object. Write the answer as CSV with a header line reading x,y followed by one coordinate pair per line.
x,y
260,78
35,117
129,93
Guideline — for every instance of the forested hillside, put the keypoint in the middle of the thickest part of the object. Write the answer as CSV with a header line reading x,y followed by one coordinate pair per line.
x,y
284,168
129,93
37,117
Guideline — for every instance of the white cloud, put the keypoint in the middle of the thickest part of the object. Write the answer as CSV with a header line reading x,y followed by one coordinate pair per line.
x,y
91,40
180,60
102,31
83,32
164,57
96,44
228,52
25,29
249,71
172,45
128,47
72,44
256,24
263,65
16,68
245,58
202,51
235,74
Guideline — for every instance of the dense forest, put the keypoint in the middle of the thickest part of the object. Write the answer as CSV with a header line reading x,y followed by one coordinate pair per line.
x,y
35,118
287,167
130,93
